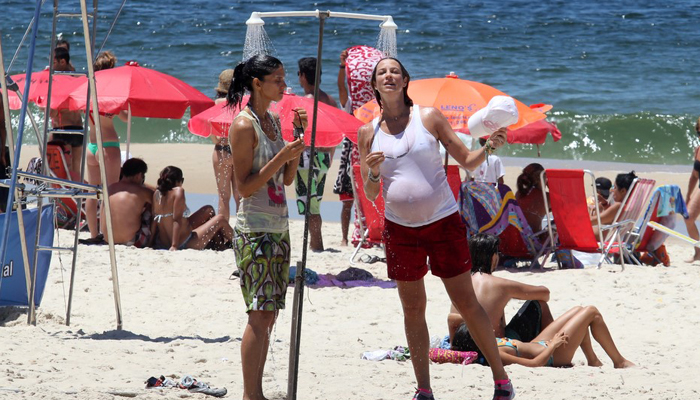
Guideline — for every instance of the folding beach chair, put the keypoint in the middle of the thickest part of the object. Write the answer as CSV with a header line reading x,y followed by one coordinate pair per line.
x,y
67,213
372,218
488,208
620,230
666,201
567,202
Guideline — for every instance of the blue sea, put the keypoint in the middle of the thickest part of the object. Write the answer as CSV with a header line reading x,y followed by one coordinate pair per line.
x,y
620,74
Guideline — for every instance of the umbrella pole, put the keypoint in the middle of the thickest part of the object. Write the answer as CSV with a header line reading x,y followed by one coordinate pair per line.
x,y
128,131
301,266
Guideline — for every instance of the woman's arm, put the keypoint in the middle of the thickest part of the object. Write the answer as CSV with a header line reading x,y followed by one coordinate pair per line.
x,y
606,216
539,361
438,125
179,221
342,90
243,140
693,180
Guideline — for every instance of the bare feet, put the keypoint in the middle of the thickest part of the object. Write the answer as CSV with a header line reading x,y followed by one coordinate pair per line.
x,y
344,243
695,258
595,363
625,364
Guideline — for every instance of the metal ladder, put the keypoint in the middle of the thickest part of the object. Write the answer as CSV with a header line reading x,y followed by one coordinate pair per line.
x,y
75,190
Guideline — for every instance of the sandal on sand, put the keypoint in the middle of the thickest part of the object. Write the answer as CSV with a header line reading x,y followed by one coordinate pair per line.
x,y
99,239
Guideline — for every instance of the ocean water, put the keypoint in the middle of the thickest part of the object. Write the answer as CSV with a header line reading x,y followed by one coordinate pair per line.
x,y
620,74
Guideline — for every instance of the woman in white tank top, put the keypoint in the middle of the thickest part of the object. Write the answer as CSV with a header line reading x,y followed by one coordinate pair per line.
x,y
400,150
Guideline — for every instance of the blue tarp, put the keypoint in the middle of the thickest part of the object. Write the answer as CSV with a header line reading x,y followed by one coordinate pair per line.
x,y
13,291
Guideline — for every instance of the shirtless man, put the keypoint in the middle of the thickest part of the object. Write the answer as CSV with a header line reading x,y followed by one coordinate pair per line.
x,y
321,165
68,120
130,203
493,293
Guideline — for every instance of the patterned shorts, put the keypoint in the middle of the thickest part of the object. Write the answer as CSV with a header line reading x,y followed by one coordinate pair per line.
x,y
262,259
322,163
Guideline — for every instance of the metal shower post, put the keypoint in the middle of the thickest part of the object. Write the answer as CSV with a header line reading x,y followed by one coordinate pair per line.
x,y
256,19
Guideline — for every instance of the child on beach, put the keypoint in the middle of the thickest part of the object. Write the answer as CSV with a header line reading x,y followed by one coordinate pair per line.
x,y
263,165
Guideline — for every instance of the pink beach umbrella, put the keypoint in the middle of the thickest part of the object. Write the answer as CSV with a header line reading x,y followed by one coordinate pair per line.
x,y
332,124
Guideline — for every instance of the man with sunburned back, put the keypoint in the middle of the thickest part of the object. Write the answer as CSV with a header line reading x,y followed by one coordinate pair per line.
x,y
130,204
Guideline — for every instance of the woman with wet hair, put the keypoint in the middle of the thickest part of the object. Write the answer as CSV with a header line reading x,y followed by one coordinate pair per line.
x,y
422,224
263,165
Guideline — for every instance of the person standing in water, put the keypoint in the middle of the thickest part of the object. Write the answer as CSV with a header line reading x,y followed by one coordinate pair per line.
x,y
422,222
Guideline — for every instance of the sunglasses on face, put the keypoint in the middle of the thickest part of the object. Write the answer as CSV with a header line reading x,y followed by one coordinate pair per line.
x,y
67,151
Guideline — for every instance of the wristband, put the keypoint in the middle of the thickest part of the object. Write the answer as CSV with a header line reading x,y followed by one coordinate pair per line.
x,y
371,176
341,66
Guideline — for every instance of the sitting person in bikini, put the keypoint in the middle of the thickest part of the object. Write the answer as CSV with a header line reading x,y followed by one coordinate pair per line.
x,y
173,226
130,205
623,182
529,196
494,293
556,344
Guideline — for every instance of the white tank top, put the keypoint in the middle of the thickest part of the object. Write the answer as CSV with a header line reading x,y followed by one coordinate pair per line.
x,y
416,191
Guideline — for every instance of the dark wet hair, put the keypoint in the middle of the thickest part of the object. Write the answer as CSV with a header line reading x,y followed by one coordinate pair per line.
x,y
61,54
624,181
169,177
62,42
307,67
529,178
482,247
259,66
132,167
404,73
462,340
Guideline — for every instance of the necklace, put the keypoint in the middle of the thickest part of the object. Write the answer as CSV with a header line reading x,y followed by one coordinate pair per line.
x,y
274,125
396,118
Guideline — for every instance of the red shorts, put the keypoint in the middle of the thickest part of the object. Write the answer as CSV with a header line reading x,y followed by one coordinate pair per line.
x,y
346,197
443,243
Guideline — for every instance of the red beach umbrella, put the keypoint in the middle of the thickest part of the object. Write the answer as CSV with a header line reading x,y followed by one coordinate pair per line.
x,y
332,125
61,87
146,92
534,133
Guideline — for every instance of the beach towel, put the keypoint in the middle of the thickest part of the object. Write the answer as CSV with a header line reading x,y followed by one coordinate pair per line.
x,y
492,209
442,356
358,72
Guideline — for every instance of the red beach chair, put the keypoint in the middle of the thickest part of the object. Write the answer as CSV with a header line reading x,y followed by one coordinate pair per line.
x,y
67,213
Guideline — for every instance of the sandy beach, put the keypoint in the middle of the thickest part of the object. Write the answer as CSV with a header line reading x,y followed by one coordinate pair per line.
x,y
184,316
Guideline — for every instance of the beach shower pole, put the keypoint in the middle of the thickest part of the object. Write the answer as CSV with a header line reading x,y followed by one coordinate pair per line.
x,y
299,278
255,20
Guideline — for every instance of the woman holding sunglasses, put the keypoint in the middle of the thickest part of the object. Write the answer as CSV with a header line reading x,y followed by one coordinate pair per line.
x,y
422,224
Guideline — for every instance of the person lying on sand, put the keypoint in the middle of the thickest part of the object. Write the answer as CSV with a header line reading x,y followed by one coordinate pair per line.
x,y
555,345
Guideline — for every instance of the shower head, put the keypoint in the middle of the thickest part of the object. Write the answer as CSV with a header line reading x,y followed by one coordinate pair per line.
x,y
255,20
388,23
